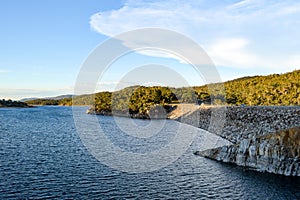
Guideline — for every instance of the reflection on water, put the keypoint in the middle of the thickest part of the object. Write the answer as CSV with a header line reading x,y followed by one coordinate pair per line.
x,y
42,156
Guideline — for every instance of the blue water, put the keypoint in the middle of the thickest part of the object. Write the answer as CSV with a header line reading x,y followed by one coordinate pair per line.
x,y
43,157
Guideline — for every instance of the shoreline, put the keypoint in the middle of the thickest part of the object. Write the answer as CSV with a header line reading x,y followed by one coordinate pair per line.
x,y
265,138
242,122
17,107
258,134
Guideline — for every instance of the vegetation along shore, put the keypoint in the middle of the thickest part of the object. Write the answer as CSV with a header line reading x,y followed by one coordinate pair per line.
x,y
262,116
271,90
9,103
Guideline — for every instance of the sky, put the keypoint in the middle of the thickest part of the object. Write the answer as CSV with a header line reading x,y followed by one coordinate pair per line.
x,y
44,44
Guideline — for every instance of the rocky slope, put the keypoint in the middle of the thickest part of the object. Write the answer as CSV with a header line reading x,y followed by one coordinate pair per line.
x,y
236,123
277,153
256,133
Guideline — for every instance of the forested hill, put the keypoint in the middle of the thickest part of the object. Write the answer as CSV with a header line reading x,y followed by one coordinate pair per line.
x,y
52,102
275,89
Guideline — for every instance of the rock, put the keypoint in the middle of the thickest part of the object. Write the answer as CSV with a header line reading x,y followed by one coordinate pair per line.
x,y
251,129
275,153
243,122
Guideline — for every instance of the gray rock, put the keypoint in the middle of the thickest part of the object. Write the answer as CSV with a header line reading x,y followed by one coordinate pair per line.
x,y
275,153
244,122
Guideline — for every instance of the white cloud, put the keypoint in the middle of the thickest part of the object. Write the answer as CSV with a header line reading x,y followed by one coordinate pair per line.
x,y
232,52
162,54
140,15
240,34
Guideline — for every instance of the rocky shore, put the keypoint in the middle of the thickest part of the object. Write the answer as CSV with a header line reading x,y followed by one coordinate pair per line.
x,y
243,122
265,138
118,114
277,153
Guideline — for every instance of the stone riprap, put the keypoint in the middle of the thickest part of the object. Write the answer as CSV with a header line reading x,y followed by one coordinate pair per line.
x,y
265,138
236,123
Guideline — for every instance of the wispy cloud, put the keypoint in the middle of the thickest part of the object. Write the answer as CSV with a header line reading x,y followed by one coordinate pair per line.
x,y
232,52
240,34
113,85
4,71
20,93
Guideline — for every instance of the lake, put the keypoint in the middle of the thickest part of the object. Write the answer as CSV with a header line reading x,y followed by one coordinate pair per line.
x,y
43,156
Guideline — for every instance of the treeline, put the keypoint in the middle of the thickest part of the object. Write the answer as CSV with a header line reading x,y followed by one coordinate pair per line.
x,y
142,100
275,89
134,100
81,100
11,103
52,102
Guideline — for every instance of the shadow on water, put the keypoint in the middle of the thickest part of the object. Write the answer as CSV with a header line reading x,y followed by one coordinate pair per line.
x,y
260,184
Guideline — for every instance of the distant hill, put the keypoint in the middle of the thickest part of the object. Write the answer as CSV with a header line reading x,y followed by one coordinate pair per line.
x,y
60,97
52,98
28,99
62,100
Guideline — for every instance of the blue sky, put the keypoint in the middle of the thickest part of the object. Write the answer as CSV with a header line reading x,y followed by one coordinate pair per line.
x,y
44,43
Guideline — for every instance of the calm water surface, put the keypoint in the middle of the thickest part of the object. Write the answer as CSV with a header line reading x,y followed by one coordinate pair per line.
x,y
42,157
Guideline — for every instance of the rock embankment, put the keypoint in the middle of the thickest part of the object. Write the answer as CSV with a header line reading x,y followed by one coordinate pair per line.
x,y
264,137
237,123
277,153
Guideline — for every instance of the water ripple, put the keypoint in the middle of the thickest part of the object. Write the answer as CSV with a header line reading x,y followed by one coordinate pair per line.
x,y
42,157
